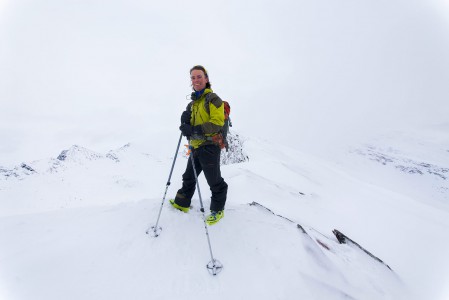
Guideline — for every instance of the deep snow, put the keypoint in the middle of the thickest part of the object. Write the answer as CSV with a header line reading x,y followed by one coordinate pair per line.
x,y
101,75
75,229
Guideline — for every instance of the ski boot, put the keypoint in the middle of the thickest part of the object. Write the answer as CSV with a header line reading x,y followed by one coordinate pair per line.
x,y
178,207
214,217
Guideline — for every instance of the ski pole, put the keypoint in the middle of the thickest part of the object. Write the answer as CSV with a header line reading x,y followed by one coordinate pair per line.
x,y
214,266
155,230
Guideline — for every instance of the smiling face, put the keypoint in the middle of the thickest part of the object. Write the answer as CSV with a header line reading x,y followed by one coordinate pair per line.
x,y
199,80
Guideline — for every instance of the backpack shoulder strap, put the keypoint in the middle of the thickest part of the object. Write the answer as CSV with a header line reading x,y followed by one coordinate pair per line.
x,y
214,99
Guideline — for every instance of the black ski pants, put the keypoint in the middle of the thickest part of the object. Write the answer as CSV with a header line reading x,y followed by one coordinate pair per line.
x,y
207,159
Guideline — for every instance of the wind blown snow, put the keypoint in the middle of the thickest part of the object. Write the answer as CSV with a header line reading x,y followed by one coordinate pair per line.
x,y
341,112
74,228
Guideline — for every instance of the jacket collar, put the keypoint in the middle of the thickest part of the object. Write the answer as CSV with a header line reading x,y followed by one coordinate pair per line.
x,y
197,95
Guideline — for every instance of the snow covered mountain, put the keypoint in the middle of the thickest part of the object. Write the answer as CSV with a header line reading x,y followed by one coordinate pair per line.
x,y
295,226
317,209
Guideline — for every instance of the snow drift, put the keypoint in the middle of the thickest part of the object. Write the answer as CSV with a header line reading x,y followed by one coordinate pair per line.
x,y
74,228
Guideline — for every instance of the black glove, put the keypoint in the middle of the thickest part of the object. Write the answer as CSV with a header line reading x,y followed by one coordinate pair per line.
x,y
185,117
198,130
188,130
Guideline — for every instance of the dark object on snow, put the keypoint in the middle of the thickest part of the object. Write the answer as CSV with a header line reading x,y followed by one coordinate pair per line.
x,y
27,167
63,155
343,239
254,203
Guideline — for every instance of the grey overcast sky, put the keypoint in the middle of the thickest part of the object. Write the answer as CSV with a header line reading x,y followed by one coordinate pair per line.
x,y
104,73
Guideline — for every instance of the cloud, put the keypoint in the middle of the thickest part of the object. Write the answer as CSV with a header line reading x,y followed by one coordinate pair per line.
x,y
3,4
311,71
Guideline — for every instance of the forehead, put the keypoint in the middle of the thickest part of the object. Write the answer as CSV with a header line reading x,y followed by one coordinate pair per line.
x,y
197,72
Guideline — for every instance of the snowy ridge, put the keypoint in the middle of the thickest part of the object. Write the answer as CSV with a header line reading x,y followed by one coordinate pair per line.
x,y
74,155
414,164
78,154
17,172
423,173
115,154
86,223
407,165
115,259
342,239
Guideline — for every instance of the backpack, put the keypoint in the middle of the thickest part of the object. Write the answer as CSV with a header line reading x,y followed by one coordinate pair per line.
x,y
227,122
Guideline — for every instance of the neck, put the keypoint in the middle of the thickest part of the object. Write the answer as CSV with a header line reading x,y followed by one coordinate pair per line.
x,y
199,93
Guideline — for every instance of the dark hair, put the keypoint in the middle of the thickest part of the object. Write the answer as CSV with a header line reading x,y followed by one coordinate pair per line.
x,y
201,68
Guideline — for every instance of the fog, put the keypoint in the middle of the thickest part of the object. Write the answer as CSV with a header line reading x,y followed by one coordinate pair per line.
x,y
306,74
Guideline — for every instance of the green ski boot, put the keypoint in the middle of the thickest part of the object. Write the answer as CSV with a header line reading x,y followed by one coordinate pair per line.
x,y
214,217
181,208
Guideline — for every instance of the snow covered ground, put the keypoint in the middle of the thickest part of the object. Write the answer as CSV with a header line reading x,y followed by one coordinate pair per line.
x,y
311,85
73,227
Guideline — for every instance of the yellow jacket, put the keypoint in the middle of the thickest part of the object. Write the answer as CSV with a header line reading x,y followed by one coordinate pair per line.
x,y
207,111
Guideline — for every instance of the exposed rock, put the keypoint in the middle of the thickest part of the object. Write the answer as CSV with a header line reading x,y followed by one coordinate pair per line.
x,y
235,153
27,168
404,164
343,239
78,154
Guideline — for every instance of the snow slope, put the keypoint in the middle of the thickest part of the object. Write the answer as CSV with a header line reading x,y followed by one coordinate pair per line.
x,y
75,229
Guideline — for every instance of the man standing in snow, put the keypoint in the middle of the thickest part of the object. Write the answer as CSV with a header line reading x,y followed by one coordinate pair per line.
x,y
201,123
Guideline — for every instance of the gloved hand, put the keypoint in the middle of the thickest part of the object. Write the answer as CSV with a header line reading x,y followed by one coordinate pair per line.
x,y
185,117
197,130
188,130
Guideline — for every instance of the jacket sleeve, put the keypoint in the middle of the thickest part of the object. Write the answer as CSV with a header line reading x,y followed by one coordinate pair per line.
x,y
189,108
216,112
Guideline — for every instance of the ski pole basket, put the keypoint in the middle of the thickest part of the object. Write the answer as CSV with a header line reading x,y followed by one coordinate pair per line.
x,y
214,267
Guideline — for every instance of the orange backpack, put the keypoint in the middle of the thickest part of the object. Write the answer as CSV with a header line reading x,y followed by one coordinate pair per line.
x,y
227,124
